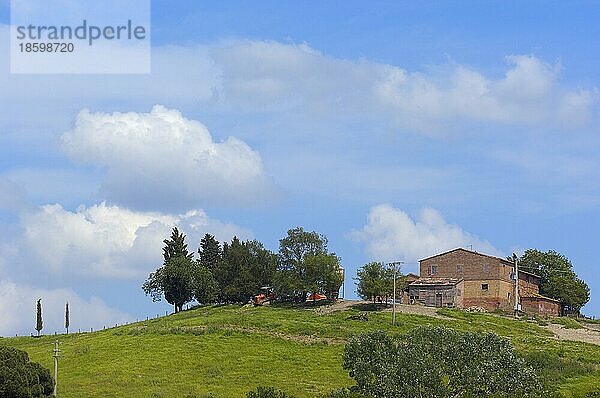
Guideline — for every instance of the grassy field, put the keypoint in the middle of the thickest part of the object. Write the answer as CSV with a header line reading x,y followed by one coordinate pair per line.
x,y
224,351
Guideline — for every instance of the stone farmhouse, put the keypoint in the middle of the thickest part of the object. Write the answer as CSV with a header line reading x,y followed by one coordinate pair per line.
x,y
465,279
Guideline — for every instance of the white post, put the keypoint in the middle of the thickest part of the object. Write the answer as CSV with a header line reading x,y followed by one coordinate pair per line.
x,y
394,299
394,264
516,285
55,367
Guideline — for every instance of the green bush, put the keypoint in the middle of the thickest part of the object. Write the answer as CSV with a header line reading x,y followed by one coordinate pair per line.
x,y
344,393
267,392
20,378
437,362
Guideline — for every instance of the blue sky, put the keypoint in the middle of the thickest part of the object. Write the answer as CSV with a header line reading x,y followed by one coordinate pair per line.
x,y
396,129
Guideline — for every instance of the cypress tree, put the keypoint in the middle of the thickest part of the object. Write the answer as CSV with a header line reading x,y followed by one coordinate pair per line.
x,y
67,317
39,324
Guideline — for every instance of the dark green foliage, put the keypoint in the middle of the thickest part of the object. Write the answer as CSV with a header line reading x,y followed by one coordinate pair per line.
x,y
559,281
376,280
175,247
174,279
67,320
293,249
437,362
305,265
210,252
267,392
39,324
243,269
20,378
322,274
344,393
204,285
178,281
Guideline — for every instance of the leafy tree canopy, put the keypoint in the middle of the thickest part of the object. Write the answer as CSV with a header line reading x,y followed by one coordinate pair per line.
x,y
559,280
374,279
174,279
20,378
437,362
304,264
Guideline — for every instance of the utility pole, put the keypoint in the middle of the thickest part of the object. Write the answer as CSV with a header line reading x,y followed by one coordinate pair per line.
x,y
394,264
516,284
55,367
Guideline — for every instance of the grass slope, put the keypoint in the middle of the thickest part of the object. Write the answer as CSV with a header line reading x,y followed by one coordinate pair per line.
x,y
224,351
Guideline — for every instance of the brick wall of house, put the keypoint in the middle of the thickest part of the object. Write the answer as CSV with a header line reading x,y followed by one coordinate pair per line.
x,y
486,282
541,306
467,265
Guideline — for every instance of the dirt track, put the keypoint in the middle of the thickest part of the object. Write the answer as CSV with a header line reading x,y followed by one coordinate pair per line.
x,y
585,335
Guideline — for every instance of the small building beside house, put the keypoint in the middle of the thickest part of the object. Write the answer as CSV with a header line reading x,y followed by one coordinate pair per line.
x,y
464,279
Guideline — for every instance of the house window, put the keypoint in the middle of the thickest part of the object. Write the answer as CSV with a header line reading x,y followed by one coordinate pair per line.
x,y
486,269
459,269
432,269
484,286
508,295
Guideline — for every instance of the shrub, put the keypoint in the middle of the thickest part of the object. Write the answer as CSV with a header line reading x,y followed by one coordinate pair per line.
x,y
267,392
20,378
344,393
437,362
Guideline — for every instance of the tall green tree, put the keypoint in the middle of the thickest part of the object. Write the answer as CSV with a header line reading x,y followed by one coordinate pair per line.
x,y
322,274
204,285
373,280
210,252
292,278
559,280
175,246
39,324
243,269
174,279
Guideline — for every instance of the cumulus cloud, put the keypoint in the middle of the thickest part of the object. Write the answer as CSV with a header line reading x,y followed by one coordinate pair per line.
x,y
161,160
104,241
391,234
17,301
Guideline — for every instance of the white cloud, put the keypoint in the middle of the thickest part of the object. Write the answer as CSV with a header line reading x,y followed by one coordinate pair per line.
x,y
161,160
285,77
105,241
527,95
391,234
296,79
18,310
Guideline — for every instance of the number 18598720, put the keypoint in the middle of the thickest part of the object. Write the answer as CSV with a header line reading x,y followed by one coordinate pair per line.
x,y
46,47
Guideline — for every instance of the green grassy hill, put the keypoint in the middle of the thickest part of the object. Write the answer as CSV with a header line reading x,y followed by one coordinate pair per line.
x,y
224,351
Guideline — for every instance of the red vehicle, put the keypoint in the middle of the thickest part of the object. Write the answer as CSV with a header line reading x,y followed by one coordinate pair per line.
x,y
265,297
318,297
